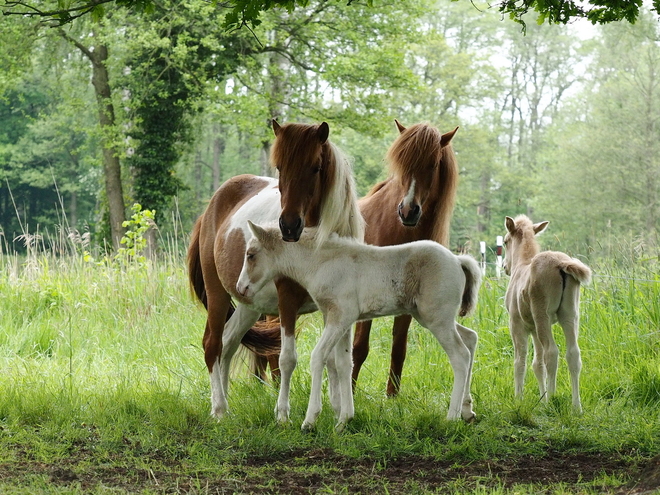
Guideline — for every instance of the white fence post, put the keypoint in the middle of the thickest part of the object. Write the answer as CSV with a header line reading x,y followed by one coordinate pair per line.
x,y
499,256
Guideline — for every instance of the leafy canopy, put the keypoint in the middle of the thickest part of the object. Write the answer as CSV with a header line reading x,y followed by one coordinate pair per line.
x,y
248,12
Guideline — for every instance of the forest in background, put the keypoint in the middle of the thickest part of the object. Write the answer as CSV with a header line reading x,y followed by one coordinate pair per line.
x,y
559,123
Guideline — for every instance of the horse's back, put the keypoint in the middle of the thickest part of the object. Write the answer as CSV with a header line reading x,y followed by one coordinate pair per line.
x,y
232,195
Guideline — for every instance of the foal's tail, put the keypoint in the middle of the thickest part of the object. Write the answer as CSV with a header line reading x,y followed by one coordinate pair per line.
x,y
263,339
472,284
578,270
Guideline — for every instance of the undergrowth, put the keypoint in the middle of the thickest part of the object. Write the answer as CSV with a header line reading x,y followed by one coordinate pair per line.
x,y
102,365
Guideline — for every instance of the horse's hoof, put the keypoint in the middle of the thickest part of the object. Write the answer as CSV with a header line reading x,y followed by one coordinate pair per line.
x,y
340,427
308,428
471,419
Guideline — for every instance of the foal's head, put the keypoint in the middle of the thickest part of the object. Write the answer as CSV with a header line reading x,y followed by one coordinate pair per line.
x,y
301,154
258,266
422,160
519,242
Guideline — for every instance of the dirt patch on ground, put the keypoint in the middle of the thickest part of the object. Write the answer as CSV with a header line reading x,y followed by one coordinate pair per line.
x,y
307,472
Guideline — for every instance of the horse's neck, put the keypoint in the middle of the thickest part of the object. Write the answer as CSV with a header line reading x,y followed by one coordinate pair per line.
x,y
526,253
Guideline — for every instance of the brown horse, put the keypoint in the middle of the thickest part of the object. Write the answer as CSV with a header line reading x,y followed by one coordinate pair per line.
x,y
315,188
421,190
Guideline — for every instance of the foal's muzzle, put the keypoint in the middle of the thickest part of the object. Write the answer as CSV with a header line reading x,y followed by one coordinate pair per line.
x,y
409,215
291,231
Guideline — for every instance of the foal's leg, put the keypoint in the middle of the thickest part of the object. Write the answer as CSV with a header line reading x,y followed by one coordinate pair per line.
x,y
399,347
344,362
520,339
569,319
546,354
239,323
459,358
331,335
334,390
360,347
290,299
470,339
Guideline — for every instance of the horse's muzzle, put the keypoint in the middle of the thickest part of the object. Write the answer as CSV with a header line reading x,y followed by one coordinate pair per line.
x,y
409,215
291,231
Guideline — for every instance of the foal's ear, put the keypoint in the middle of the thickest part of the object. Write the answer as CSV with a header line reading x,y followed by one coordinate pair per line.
x,y
276,127
540,227
510,225
447,137
399,126
323,132
257,231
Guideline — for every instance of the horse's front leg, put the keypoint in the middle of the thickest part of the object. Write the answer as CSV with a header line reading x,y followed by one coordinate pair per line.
x,y
343,359
398,356
291,297
332,334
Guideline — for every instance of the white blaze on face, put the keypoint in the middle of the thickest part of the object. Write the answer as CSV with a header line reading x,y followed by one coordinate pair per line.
x,y
408,199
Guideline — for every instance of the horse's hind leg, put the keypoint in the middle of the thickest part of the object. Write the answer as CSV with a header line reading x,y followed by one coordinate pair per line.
x,y
399,347
520,339
569,319
470,339
239,323
459,358
218,305
546,356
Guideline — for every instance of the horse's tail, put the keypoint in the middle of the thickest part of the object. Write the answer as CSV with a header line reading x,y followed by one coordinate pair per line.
x,y
264,338
578,270
472,284
195,276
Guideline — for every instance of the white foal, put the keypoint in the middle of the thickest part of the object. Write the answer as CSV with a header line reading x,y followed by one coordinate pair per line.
x,y
350,281
544,289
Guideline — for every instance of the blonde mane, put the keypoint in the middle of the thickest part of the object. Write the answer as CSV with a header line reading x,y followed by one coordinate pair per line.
x,y
340,212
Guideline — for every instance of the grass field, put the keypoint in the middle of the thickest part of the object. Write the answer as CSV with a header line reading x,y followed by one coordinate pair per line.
x,y
103,389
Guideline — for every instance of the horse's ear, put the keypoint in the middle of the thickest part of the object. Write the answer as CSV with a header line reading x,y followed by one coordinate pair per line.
x,y
399,126
256,230
510,225
323,132
276,127
540,227
447,137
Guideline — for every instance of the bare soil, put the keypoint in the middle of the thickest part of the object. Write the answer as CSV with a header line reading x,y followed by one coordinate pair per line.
x,y
308,472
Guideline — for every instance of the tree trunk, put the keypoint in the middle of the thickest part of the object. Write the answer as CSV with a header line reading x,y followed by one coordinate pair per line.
x,y
218,150
111,165
98,56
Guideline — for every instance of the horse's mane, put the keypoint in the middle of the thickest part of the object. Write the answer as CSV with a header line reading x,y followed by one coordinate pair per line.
x,y
525,232
339,212
419,147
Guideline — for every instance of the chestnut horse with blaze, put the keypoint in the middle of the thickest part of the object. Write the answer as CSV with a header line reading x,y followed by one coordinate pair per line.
x,y
415,203
315,189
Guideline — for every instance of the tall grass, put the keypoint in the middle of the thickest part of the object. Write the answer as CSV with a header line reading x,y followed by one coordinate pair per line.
x,y
109,359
